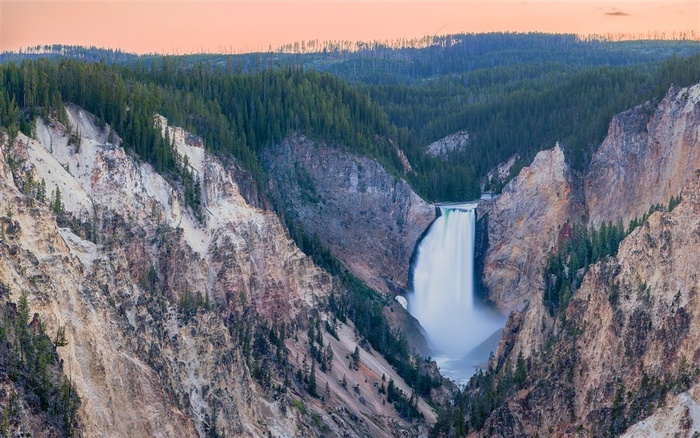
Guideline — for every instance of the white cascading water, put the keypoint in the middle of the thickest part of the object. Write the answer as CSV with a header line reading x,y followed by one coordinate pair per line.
x,y
443,286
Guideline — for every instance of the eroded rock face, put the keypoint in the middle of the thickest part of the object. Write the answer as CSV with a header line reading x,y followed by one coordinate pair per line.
x,y
156,303
523,227
679,417
647,157
369,219
140,366
629,340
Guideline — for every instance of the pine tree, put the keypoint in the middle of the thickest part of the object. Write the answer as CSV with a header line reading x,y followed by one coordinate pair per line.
x,y
355,359
391,391
520,371
57,203
311,387
329,357
41,191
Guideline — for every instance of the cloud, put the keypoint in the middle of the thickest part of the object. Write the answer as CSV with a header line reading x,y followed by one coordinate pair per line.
x,y
614,12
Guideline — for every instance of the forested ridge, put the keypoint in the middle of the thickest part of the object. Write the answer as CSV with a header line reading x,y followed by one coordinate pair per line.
x,y
405,61
236,114
402,60
514,93
516,110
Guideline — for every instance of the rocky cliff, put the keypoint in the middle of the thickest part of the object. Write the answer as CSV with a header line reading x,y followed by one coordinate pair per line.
x,y
627,344
368,219
647,157
650,152
523,226
456,142
176,326
623,355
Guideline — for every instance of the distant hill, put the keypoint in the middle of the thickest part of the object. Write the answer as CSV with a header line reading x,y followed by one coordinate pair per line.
x,y
404,60
89,54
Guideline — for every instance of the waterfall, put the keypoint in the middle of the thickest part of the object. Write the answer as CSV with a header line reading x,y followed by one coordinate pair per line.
x,y
443,285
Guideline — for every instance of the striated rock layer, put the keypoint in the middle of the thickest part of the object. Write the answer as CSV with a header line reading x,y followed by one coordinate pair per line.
x,y
523,227
628,343
368,219
649,154
158,307
647,157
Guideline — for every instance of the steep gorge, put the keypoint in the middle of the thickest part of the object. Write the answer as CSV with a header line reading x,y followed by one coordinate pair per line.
x,y
172,323
626,344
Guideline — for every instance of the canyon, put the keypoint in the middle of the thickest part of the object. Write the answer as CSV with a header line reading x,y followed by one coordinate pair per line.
x,y
160,307
185,322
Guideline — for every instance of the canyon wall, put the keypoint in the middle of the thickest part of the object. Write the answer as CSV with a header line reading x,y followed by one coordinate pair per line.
x,y
523,226
161,304
649,154
367,218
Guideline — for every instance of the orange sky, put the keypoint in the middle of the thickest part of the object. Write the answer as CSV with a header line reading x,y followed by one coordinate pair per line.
x,y
236,26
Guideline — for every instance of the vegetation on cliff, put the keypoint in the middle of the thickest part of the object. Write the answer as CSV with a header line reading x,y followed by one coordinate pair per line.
x,y
365,307
578,248
29,360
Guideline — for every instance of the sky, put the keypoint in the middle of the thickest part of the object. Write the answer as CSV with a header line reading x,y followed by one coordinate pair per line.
x,y
226,26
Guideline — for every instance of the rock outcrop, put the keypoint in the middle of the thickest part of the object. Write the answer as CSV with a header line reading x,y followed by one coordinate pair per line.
x,y
369,219
456,142
523,226
647,157
159,307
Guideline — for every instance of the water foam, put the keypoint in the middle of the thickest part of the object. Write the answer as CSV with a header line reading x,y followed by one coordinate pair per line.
x,y
443,286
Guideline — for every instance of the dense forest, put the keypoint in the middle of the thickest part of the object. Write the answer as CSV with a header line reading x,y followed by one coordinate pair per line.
x,y
515,110
515,94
